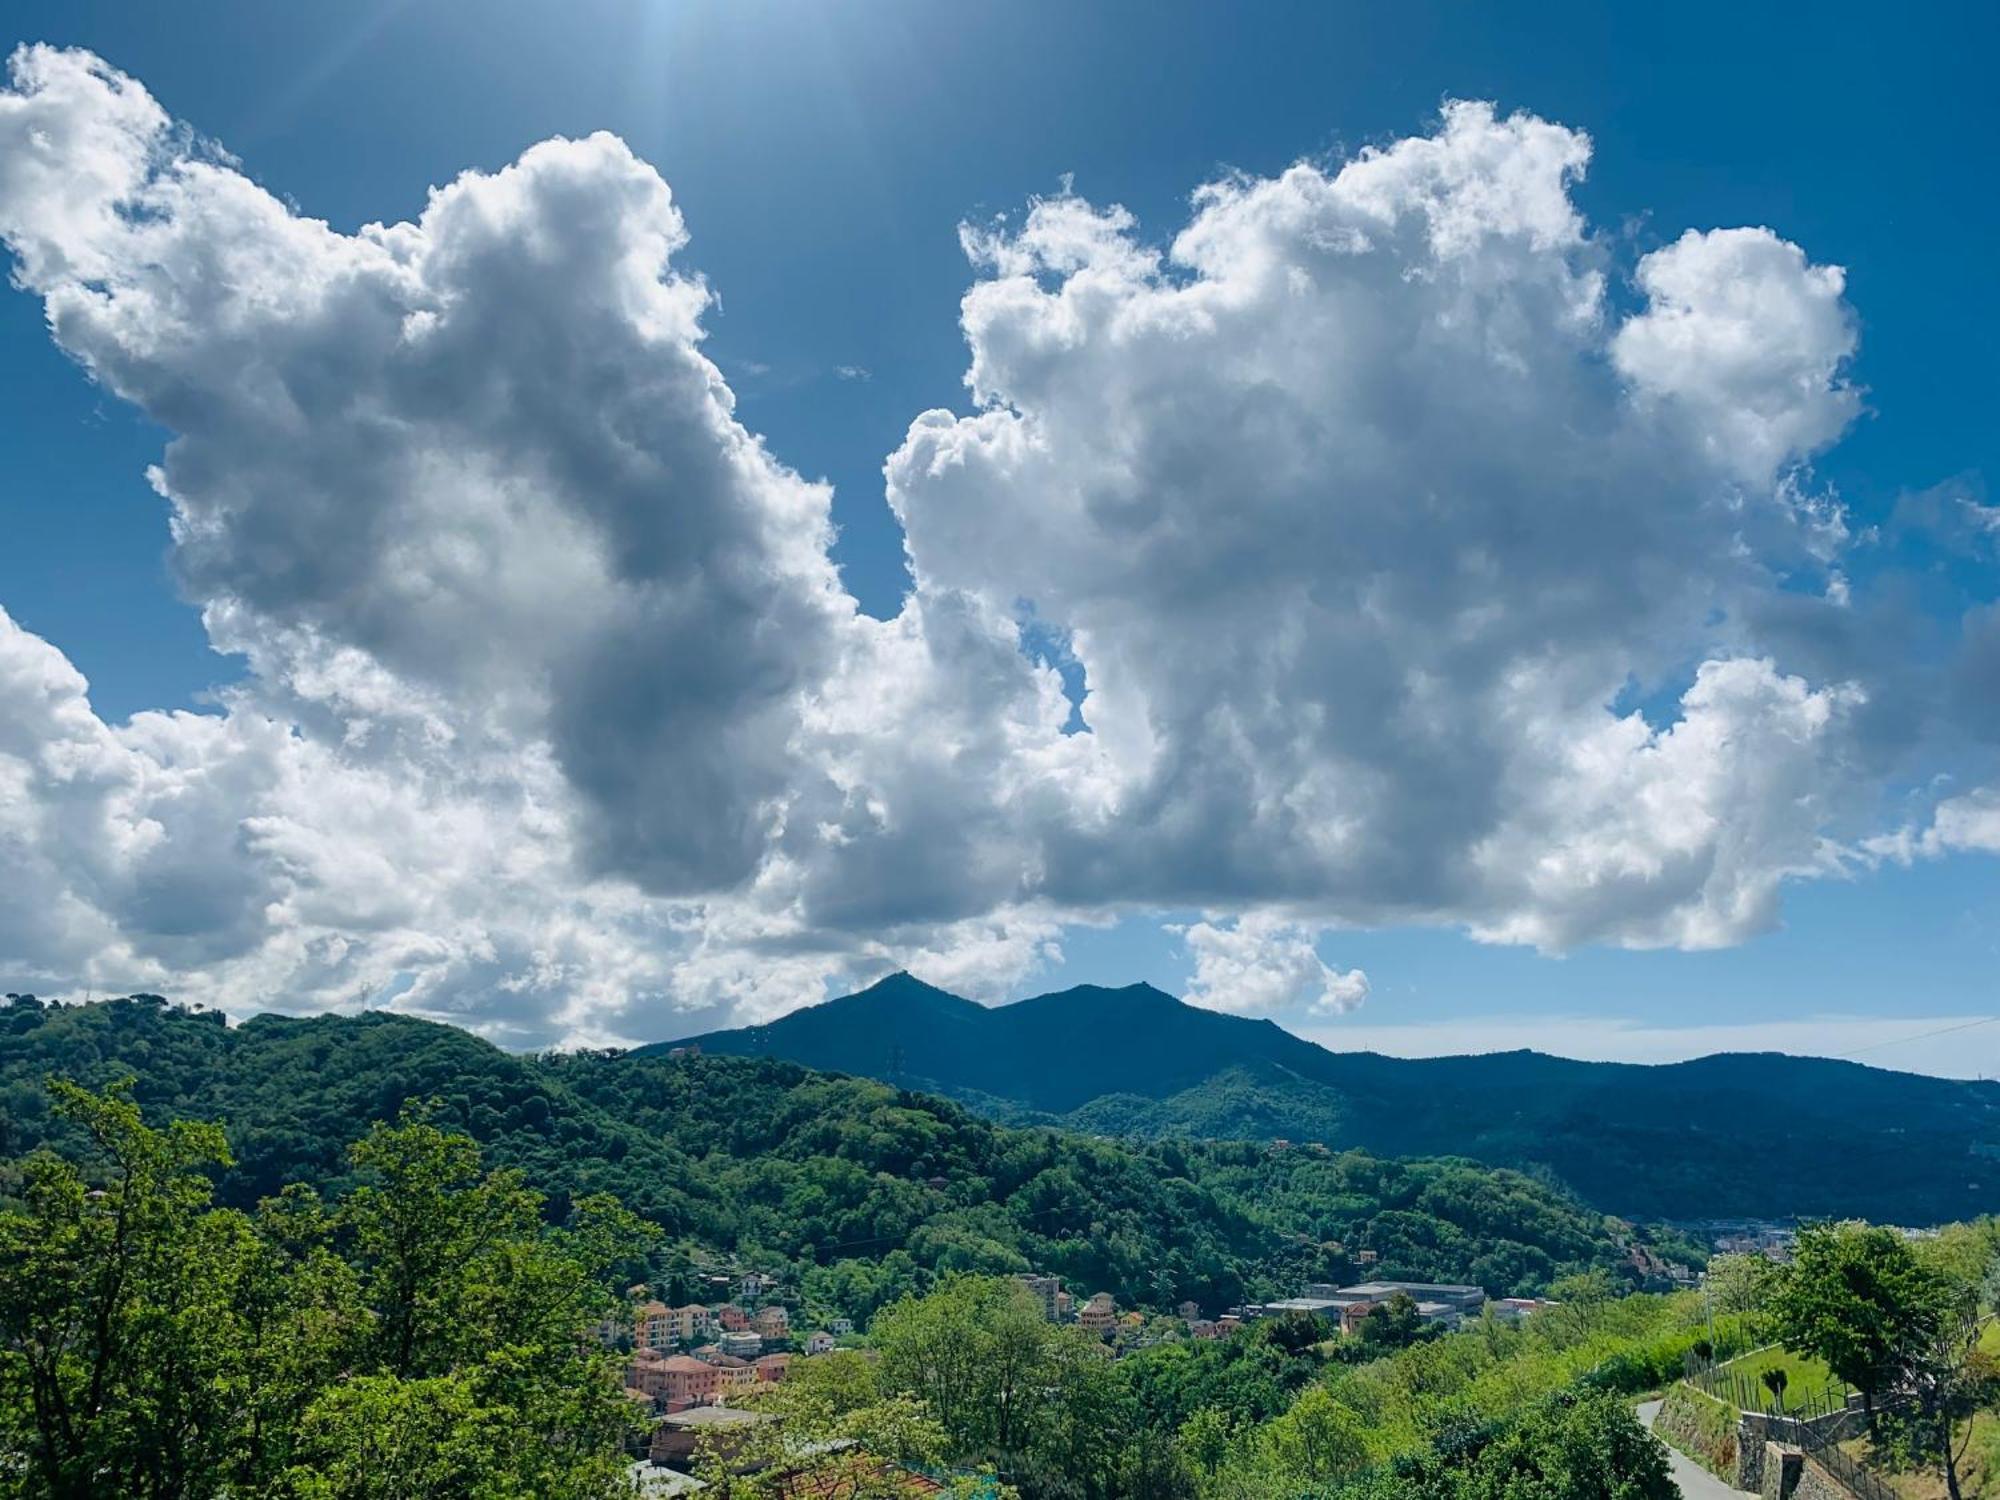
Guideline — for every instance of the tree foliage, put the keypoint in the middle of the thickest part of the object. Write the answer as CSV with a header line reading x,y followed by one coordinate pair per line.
x,y
1856,1296
418,1336
1263,1416
421,1333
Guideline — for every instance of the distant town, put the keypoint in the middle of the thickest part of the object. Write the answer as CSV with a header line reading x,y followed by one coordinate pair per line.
x,y
687,1363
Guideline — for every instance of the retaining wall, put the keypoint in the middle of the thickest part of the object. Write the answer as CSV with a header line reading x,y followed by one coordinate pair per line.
x,y
1741,1449
1702,1428
1791,1475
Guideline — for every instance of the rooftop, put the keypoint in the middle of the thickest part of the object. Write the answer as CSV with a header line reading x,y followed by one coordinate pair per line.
x,y
655,1482
686,1364
1312,1304
712,1417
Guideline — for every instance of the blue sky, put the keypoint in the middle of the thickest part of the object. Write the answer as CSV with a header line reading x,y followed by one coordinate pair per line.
x,y
824,156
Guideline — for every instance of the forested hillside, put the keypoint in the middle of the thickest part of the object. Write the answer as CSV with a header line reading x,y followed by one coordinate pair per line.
x,y
1755,1135
858,1189
425,1334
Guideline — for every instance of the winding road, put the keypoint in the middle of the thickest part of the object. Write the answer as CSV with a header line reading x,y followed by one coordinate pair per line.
x,y
1695,1482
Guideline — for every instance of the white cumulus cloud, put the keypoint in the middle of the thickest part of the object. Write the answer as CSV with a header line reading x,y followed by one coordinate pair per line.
x,y
1746,340
1261,965
1362,511
1359,523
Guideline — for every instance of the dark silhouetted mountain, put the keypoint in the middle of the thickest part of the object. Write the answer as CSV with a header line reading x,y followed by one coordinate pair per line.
x,y
1750,1135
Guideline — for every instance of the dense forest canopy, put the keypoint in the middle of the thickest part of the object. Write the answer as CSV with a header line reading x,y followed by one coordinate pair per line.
x,y
425,1334
860,1190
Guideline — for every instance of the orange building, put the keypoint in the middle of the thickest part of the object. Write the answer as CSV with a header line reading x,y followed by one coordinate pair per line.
x,y
1099,1315
649,1325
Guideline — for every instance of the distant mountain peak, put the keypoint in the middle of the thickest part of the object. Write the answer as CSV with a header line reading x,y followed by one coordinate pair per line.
x,y
906,987
1083,996
901,979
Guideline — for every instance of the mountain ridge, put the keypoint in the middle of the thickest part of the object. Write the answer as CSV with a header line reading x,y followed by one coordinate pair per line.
x,y
1782,1136
859,1191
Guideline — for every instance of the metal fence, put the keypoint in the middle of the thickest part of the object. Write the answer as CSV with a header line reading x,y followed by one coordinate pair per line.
x,y
1825,1450
1748,1393
1804,1422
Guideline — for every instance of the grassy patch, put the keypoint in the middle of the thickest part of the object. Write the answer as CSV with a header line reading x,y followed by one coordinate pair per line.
x,y
1806,1379
1978,1475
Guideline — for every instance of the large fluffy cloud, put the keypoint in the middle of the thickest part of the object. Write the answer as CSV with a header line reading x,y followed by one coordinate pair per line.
x,y
1408,580
1361,511
551,670
482,451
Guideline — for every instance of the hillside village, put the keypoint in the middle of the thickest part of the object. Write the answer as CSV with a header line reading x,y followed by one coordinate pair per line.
x,y
688,1364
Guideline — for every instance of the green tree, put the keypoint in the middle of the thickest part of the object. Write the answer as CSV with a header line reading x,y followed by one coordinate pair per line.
x,y
978,1353
1395,1324
1949,1379
1087,1430
1739,1283
1205,1440
434,1240
118,1338
1319,1441
1588,1448
1775,1380
381,1437
842,1396
424,1337
1856,1297
1153,1468
1301,1331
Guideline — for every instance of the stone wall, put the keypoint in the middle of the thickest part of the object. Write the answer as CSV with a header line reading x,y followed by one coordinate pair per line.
x,y
1739,1448
1834,1427
1754,1450
1702,1428
1785,1473
1816,1484
1780,1470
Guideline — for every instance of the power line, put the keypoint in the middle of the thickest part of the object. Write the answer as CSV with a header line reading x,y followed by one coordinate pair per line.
x,y
1919,1037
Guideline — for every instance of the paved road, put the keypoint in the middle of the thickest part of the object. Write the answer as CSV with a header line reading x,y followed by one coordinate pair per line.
x,y
1695,1482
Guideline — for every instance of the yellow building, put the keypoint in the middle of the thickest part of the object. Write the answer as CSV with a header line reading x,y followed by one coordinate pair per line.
x,y
649,1326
